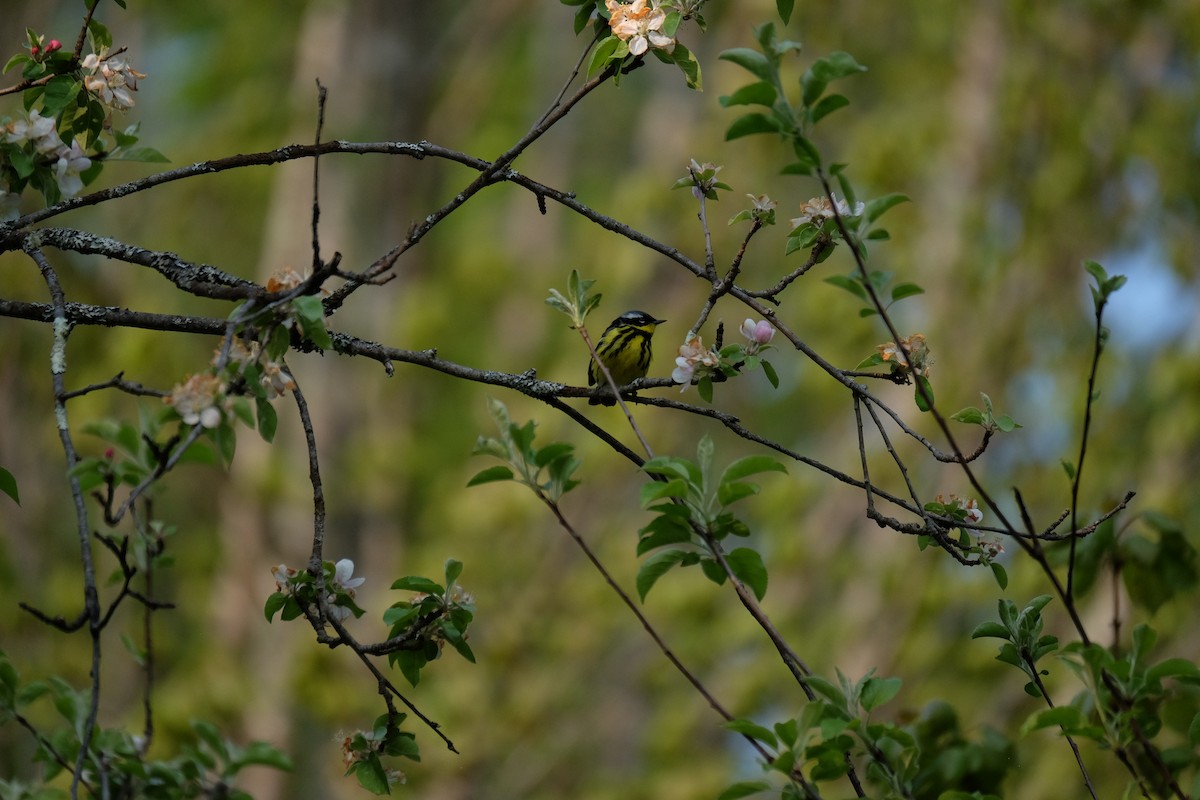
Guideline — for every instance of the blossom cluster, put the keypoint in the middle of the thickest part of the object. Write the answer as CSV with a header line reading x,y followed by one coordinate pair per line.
x,y
200,399
956,506
702,179
340,602
32,147
817,210
111,79
639,24
696,361
38,136
274,378
693,357
918,361
43,49
205,399
969,512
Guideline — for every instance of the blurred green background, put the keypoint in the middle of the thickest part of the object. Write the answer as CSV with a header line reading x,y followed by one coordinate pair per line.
x,y
1030,136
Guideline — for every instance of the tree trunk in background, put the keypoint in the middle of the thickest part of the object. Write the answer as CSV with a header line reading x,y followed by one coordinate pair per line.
x,y
264,528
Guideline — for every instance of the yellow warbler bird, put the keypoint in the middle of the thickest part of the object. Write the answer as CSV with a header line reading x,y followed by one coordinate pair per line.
x,y
624,347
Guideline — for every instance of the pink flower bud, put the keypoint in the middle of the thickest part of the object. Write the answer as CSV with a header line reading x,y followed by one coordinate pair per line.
x,y
109,453
35,50
759,332
55,44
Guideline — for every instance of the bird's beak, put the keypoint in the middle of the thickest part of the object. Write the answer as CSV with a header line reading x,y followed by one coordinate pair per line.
x,y
659,321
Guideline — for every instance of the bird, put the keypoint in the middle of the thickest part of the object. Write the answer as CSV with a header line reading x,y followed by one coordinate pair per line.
x,y
624,347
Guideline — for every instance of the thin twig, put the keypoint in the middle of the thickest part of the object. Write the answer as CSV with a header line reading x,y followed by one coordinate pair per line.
x,y
316,199
1037,679
1076,479
58,368
316,558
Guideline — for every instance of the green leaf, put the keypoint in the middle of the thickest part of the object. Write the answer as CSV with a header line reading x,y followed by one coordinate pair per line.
x,y
655,567
225,440
410,663
416,583
582,16
873,360
817,77
760,93
657,490
1097,271
802,167
8,485
838,64
851,285
673,467
491,474
371,775
606,51
311,315
1066,717
101,38
806,151
879,206
747,565
749,124
877,691
143,154
826,106
241,410
458,642
1173,668
61,91
784,9
661,532
772,375
713,571
753,730
261,754
552,452
1036,605
827,690
752,61
788,731
268,420
21,162
1068,468
744,788
729,493
688,64
1158,568
751,465
1001,576
990,629
19,58
454,568
274,603
969,415
903,290
924,399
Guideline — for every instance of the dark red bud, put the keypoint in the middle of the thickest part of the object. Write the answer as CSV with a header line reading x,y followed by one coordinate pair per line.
x,y
109,453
